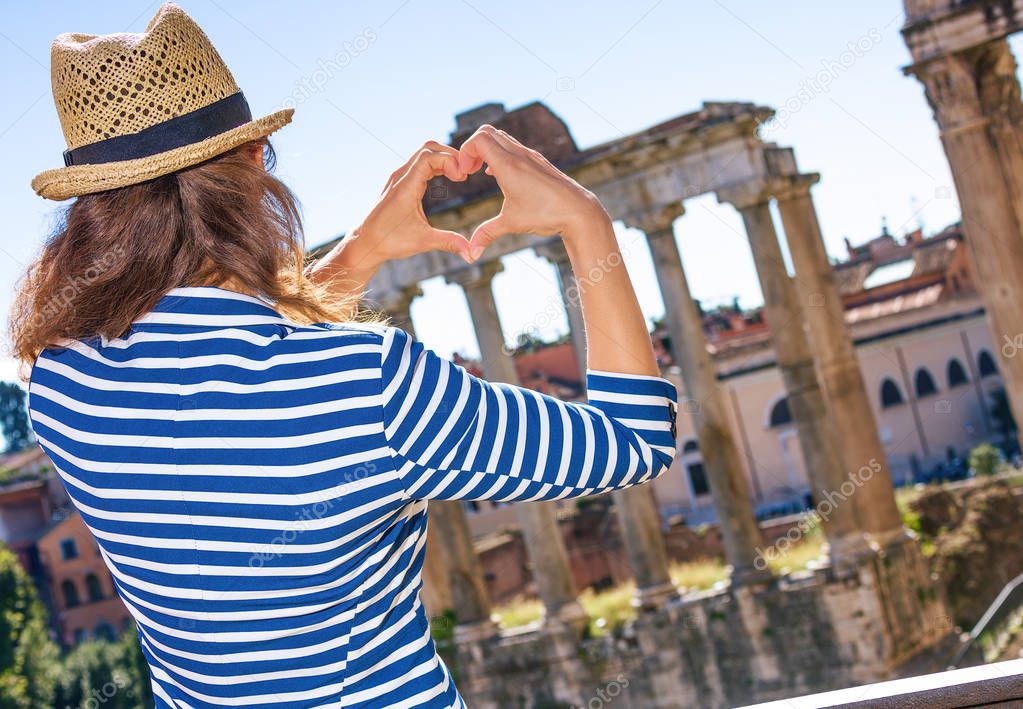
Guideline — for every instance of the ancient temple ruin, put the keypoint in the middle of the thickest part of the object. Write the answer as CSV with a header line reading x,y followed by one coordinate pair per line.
x,y
855,619
872,608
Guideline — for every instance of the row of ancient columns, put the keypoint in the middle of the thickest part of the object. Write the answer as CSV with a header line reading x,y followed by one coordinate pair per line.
x,y
975,96
823,383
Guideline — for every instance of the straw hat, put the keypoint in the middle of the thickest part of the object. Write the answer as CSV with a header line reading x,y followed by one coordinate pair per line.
x,y
134,107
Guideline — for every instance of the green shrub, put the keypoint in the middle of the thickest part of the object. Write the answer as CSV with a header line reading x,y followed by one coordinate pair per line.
x,y
985,459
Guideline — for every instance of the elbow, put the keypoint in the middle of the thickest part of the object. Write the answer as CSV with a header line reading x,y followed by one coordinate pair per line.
x,y
662,460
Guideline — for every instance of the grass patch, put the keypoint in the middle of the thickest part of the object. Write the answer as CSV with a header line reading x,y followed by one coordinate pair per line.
x,y
612,608
608,609
799,555
518,612
698,575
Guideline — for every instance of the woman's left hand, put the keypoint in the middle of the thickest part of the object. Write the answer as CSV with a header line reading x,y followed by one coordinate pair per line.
x,y
397,227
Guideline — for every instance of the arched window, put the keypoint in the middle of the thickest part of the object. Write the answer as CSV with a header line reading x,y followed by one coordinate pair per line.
x,y
924,384
986,364
93,586
70,593
698,478
780,414
694,468
104,631
890,394
956,373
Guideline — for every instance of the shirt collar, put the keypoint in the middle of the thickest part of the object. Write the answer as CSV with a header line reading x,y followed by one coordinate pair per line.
x,y
211,306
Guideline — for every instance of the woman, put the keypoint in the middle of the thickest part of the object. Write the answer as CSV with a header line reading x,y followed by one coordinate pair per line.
x,y
257,480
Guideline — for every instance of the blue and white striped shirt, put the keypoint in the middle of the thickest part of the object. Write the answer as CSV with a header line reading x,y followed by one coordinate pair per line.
x,y
258,489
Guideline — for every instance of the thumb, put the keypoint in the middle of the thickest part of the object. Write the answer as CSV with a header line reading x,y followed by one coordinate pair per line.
x,y
488,232
450,241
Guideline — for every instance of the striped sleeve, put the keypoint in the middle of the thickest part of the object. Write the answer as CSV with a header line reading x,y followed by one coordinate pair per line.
x,y
455,436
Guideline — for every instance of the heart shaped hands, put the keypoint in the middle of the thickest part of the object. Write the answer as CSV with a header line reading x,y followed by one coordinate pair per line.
x,y
397,226
538,199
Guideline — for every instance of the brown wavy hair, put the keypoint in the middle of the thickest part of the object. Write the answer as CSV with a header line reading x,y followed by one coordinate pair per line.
x,y
227,221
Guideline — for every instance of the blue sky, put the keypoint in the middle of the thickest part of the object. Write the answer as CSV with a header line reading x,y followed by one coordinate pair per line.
x,y
398,70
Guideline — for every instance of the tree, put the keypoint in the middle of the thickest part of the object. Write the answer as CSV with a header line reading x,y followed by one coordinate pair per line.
x,y
109,674
14,417
28,658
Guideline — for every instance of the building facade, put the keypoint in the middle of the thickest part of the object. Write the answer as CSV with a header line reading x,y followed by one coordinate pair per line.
x,y
84,603
928,362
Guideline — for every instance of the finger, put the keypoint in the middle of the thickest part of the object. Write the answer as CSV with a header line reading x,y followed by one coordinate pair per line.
x,y
449,241
427,165
488,232
452,169
513,146
482,146
432,145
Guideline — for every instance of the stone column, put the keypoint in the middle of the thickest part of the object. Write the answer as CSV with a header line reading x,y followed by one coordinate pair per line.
x,y
398,304
640,522
554,251
538,520
975,97
464,578
818,439
838,367
638,515
446,519
704,399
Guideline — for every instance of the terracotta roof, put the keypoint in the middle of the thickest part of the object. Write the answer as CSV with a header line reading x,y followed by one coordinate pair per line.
x,y
899,304
28,456
932,255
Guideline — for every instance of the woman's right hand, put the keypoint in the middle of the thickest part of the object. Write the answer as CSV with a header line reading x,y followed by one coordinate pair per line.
x,y
538,197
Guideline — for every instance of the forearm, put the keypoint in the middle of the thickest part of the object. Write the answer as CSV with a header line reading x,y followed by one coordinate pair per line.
x,y
347,269
616,331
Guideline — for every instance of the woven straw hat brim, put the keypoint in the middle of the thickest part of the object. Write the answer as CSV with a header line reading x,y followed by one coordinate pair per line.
x,y
76,180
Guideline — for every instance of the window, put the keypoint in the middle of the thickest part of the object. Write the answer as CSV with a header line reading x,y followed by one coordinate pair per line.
x,y
956,374
68,549
986,364
93,586
890,394
70,593
924,384
105,631
698,479
691,446
780,414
